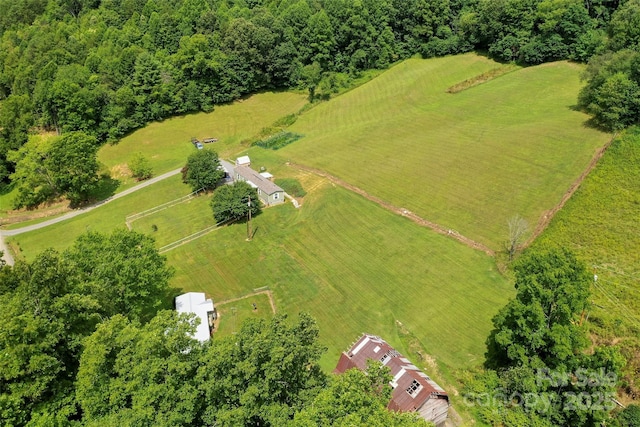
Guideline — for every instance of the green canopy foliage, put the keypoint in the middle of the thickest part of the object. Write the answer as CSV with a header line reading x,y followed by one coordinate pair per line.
x,y
233,202
140,167
540,326
60,166
108,67
49,306
203,170
539,366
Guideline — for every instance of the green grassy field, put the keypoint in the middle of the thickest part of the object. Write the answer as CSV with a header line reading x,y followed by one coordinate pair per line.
x,y
355,267
167,144
468,161
178,221
104,219
600,224
231,315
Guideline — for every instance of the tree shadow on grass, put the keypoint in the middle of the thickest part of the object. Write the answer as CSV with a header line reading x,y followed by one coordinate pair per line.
x,y
6,188
105,188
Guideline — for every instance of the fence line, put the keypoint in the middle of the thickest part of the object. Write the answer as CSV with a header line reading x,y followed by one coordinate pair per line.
x,y
129,219
187,239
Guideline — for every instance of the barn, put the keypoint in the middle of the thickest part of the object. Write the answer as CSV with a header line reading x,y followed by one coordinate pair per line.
x,y
413,390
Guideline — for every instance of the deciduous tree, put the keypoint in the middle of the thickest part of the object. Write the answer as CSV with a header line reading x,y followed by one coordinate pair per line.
x,y
541,324
140,167
232,202
356,398
263,374
140,375
123,271
203,170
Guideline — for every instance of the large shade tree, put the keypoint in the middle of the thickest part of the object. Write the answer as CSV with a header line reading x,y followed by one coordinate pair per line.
x,y
61,166
203,170
233,202
539,348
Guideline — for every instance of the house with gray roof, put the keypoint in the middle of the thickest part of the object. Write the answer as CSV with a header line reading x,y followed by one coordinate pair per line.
x,y
270,193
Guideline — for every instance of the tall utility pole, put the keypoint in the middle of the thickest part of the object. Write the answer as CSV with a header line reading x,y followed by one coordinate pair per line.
x,y
249,220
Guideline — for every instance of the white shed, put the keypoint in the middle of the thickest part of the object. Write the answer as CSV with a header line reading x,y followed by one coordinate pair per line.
x,y
243,161
198,304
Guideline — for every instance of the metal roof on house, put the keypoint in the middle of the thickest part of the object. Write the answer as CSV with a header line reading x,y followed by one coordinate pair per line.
x,y
412,388
197,303
258,180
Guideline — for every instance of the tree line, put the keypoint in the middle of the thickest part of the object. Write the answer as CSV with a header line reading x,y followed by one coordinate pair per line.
x,y
107,67
541,369
89,337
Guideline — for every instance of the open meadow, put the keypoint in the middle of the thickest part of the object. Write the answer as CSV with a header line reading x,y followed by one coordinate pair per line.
x,y
355,267
167,144
104,219
600,224
468,161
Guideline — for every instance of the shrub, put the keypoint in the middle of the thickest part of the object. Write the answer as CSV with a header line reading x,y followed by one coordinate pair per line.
x,y
291,186
278,140
140,167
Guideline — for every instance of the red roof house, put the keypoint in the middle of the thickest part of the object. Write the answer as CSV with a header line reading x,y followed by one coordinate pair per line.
x,y
413,390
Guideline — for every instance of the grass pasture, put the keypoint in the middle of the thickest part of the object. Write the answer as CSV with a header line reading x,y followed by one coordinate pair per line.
x,y
231,314
167,144
176,222
355,267
468,161
600,224
104,219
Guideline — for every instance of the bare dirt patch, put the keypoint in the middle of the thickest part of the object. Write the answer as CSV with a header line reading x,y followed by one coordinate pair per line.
x,y
22,215
120,171
482,78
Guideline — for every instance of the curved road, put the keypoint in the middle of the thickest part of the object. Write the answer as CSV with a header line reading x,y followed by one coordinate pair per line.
x,y
3,247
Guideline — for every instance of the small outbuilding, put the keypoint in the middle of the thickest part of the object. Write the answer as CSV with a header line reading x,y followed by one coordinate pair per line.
x,y
243,161
202,307
413,390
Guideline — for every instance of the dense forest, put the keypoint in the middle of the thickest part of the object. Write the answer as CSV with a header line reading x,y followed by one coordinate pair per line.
x,y
107,67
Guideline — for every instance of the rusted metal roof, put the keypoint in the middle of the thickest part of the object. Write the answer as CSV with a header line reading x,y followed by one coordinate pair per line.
x,y
412,388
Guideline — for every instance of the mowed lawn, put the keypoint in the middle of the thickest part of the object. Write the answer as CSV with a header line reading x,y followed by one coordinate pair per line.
x,y
353,265
103,219
468,161
167,144
356,268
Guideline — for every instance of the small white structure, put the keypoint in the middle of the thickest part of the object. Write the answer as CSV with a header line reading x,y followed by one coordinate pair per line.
x,y
198,304
243,161
266,175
